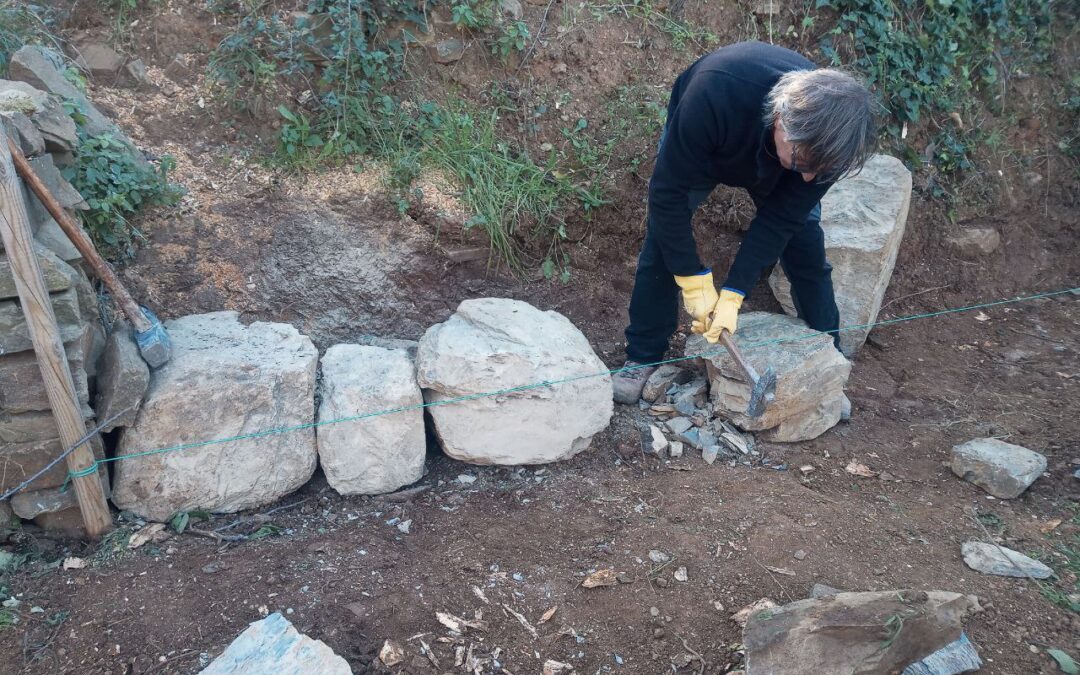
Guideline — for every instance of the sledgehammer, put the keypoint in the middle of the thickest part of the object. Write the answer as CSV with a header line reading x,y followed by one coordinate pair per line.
x,y
150,335
762,388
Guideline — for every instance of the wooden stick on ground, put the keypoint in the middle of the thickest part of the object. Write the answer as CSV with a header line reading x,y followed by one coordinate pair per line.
x,y
34,297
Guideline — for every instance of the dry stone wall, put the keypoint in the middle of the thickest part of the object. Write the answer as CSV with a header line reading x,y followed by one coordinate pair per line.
x,y
33,115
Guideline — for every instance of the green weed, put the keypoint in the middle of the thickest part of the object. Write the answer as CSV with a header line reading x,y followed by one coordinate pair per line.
x,y
116,187
933,57
514,37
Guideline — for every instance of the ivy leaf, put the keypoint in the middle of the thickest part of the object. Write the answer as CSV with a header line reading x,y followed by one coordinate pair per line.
x,y
1064,661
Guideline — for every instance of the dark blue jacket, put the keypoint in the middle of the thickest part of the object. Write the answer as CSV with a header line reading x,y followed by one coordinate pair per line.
x,y
715,134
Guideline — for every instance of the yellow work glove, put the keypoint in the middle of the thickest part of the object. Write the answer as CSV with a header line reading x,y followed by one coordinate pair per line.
x,y
725,315
699,296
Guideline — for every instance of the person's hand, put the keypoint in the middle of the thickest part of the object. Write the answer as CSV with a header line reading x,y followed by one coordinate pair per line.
x,y
699,298
725,315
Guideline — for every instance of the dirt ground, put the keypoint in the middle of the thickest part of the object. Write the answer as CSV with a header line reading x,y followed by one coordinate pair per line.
x,y
329,254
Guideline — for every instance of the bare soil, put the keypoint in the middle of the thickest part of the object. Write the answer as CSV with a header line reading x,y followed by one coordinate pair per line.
x,y
329,254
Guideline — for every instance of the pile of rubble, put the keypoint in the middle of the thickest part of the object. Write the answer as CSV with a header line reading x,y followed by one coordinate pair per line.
x,y
109,376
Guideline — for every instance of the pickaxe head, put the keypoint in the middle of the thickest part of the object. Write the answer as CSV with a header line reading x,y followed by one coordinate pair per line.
x,y
762,393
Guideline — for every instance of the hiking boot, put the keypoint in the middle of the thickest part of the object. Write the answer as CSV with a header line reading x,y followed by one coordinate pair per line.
x,y
629,383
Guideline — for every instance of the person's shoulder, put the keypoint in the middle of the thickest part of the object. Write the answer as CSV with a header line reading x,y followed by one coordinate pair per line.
x,y
755,63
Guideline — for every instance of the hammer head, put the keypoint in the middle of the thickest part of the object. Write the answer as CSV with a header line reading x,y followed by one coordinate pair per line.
x,y
154,344
762,394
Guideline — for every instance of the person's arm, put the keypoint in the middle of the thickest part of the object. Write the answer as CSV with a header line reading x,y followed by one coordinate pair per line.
x,y
694,132
779,217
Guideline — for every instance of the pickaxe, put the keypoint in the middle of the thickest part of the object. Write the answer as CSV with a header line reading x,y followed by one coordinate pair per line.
x,y
762,388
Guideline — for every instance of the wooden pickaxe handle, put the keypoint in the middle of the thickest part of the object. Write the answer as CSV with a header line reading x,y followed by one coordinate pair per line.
x,y
82,242
744,365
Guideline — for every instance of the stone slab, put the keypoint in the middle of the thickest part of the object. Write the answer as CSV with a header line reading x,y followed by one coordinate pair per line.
x,y
21,386
59,276
272,645
19,461
377,454
863,217
14,333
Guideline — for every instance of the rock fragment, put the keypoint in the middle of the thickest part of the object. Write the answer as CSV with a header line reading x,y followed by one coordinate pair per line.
x,y
1005,562
1002,469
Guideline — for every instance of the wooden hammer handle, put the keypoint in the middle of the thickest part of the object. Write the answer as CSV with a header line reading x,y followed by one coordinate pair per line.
x,y
744,365
82,242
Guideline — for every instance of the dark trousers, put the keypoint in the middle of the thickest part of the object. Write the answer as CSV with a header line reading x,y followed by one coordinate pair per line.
x,y
654,304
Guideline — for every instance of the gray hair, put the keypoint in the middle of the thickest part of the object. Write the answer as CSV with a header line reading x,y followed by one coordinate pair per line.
x,y
828,115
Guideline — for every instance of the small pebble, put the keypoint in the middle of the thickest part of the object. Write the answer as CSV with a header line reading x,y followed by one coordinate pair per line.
x,y
680,574
800,554
662,582
654,611
658,633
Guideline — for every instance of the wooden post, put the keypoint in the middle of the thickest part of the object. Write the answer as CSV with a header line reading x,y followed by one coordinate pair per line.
x,y
49,348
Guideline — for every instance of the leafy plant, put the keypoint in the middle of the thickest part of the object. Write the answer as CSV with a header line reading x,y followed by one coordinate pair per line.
x,y
473,14
116,187
932,57
514,36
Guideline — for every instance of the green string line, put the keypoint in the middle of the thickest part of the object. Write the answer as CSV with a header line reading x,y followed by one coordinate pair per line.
x,y
547,383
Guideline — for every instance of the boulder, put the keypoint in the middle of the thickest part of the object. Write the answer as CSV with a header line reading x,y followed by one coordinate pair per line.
x,y
14,333
661,380
47,112
59,276
21,386
224,380
19,461
1005,562
122,379
974,242
863,217
376,454
496,345
856,633
1002,469
18,126
272,645
810,377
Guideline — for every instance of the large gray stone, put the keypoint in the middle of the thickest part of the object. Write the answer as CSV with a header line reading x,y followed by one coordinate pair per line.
x,y
863,218
224,380
14,333
30,504
854,633
272,645
59,276
31,427
122,379
47,112
43,68
1002,469
51,236
493,344
376,454
19,461
1005,562
21,128
810,377
21,386
66,195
